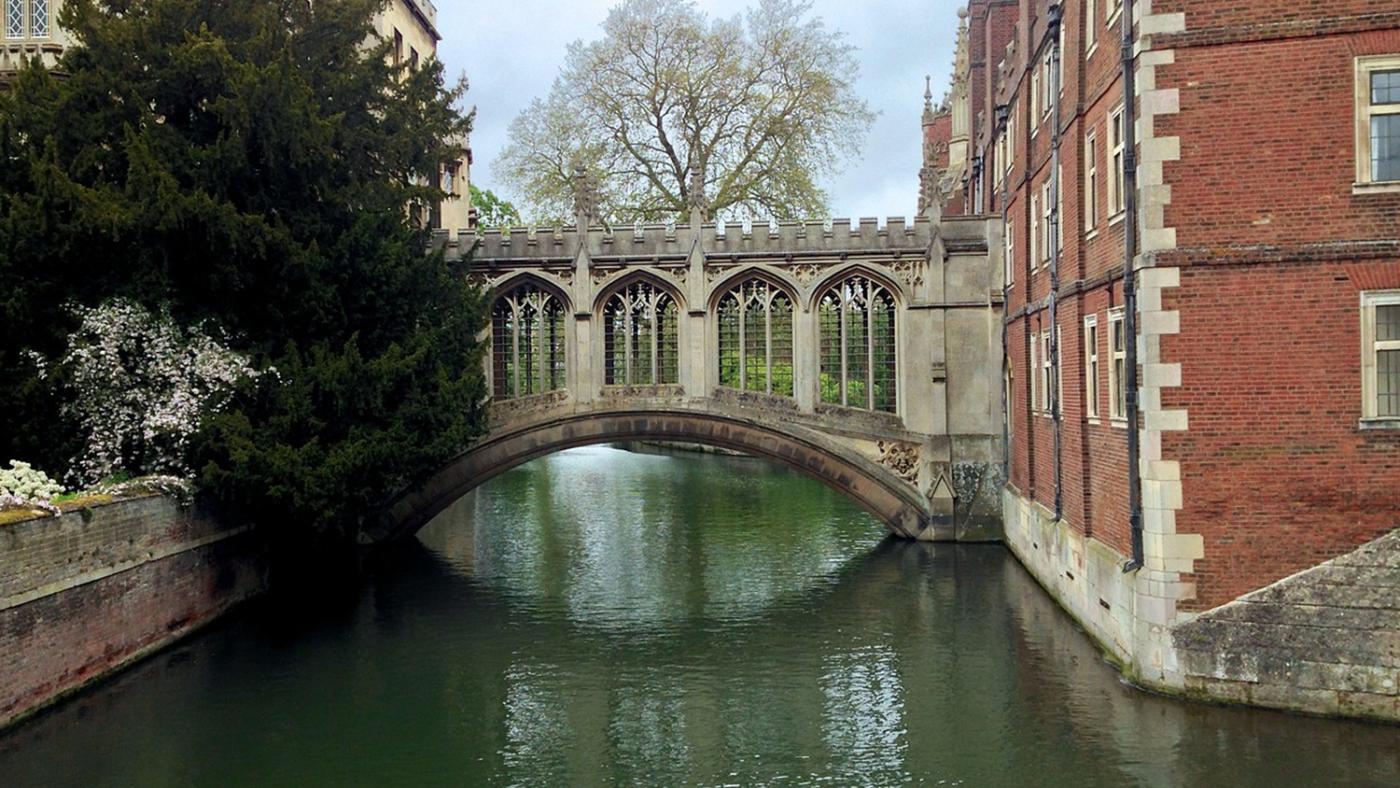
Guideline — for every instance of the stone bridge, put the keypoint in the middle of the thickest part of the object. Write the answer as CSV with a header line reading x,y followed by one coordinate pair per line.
x,y
865,355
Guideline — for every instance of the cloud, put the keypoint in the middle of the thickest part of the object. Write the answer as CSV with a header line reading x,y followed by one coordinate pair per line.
x,y
511,52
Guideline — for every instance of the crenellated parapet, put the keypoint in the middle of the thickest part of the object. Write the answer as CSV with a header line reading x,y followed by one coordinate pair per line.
x,y
832,237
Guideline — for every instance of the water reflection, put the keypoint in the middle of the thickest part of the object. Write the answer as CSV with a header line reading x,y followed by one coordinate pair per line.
x,y
604,618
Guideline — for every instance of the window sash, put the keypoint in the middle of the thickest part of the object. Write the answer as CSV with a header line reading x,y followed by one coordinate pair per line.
x,y
1117,372
1035,371
1380,356
1091,366
1035,98
1035,231
14,19
1377,154
1091,26
1091,177
1116,180
1046,375
1045,224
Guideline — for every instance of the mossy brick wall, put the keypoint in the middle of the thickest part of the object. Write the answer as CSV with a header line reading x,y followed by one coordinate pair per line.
x,y
85,594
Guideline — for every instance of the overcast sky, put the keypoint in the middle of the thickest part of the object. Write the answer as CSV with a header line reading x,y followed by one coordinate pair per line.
x,y
512,51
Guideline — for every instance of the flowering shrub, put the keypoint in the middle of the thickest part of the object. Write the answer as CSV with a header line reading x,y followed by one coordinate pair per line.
x,y
23,487
140,386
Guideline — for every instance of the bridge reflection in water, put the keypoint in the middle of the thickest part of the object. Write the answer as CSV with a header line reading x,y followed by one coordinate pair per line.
x,y
604,617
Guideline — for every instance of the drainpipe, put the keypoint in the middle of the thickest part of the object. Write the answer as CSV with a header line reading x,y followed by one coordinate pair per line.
x,y
1130,363
1003,113
1054,17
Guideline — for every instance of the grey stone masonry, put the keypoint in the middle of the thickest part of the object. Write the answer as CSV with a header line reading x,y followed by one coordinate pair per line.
x,y
1325,641
926,460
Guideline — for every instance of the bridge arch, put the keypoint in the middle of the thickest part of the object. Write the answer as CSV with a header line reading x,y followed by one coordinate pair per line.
x,y
876,488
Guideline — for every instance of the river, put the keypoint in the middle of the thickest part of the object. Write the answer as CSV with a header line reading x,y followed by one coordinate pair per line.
x,y
604,617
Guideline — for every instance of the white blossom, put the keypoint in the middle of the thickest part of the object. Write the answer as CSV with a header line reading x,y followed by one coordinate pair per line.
x,y
141,385
24,487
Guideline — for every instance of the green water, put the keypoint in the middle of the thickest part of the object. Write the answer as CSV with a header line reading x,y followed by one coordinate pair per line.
x,y
602,617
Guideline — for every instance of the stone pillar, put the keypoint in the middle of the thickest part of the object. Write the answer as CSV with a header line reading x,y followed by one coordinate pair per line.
x,y
806,359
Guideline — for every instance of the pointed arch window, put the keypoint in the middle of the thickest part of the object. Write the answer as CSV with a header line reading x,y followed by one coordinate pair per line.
x,y
527,343
755,339
857,321
641,337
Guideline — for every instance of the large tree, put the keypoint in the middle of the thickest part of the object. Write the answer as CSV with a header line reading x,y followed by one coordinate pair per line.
x,y
762,106
249,165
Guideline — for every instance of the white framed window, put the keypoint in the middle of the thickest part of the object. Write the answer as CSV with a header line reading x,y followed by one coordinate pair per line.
x,y
1091,27
1045,205
1010,251
1035,99
999,166
1380,355
39,18
1117,368
1034,368
1059,371
1091,180
1060,47
1035,230
1378,120
1046,373
1009,381
1059,232
1047,84
1091,366
1011,137
1115,148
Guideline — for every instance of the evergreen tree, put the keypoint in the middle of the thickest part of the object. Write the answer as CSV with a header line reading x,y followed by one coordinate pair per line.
x,y
257,165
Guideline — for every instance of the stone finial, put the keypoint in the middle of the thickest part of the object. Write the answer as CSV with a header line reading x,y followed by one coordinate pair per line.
x,y
695,196
585,197
928,93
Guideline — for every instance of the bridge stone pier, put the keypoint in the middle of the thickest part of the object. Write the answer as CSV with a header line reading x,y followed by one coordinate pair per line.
x,y
865,355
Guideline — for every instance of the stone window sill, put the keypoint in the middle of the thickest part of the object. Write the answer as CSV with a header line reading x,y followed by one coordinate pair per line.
x,y
1120,423
1368,424
1383,187
1117,218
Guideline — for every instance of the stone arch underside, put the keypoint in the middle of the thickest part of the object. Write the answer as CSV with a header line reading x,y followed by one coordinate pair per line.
x,y
879,491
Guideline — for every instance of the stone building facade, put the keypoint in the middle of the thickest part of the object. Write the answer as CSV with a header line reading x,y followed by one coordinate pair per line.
x,y
29,29
1262,329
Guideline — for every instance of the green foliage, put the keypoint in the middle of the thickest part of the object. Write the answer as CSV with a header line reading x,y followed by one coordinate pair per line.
x,y
492,211
249,164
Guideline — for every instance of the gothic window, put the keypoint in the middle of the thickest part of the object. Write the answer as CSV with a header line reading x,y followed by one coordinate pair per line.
x,y
38,18
641,337
527,343
755,339
14,18
856,318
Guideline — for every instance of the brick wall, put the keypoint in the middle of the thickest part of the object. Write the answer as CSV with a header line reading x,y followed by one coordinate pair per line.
x,y
1258,210
83,595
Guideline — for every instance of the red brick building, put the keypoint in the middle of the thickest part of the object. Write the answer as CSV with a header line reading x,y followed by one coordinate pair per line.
x,y
1264,341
